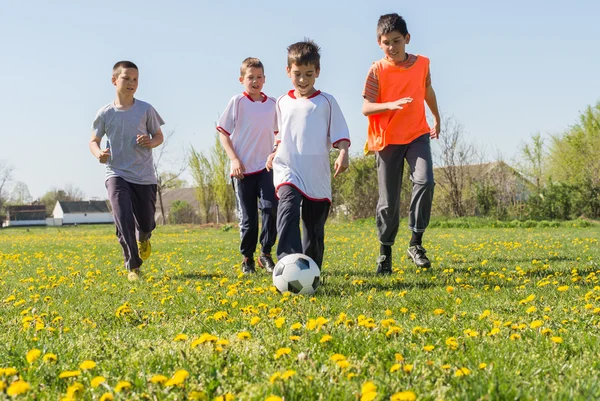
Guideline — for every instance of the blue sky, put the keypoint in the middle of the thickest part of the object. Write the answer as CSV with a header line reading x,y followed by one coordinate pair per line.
x,y
505,70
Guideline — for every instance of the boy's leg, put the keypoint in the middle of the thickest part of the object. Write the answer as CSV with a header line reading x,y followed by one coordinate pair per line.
x,y
144,210
314,216
418,156
268,207
288,221
246,193
120,197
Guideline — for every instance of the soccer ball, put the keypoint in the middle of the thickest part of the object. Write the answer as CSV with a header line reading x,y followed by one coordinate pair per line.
x,y
296,273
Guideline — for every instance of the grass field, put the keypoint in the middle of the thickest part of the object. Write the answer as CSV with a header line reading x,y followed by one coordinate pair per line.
x,y
505,313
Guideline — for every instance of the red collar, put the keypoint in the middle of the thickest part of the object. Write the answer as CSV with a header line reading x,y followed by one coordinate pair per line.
x,y
291,94
252,100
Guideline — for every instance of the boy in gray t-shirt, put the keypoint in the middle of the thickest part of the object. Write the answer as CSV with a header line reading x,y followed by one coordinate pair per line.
x,y
132,128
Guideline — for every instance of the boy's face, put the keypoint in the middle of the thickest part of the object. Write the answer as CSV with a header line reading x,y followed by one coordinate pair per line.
x,y
393,45
253,80
303,78
126,80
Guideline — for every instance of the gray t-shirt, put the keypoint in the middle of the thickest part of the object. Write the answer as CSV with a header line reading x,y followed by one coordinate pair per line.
x,y
128,160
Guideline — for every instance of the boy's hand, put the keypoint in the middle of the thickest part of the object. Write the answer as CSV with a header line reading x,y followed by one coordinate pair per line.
x,y
435,131
104,156
269,163
144,141
238,169
397,105
341,163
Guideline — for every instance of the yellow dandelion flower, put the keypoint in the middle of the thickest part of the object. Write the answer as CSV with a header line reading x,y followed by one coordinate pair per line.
x,y
295,338
279,322
536,323
107,397
287,374
398,357
482,365
407,368
404,396
445,367
563,288
325,338
274,377
452,343
180,337
337,357
449,289
462,372
395,367
343,364
18,387
69,373
75,390
368,391
87,365
98,380
546,331
531,309
254,321
32,355
296,326
197,396
484,314
122,385
556,340
244,335
159,379
438,312
273,398
494,331
428,348
515,336
282,351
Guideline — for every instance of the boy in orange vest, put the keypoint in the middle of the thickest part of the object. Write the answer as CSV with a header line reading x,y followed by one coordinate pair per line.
x,y
396,89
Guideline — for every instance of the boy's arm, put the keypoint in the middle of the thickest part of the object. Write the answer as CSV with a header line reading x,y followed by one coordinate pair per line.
x,y
237,167
369,108
342,162
101,155
431,101
151,142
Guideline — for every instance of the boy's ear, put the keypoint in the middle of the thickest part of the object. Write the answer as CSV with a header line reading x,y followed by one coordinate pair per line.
x,y
317,72
407,38
113,79
288,71
241,79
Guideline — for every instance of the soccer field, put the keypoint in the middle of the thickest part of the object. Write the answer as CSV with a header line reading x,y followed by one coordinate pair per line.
x,y
504,313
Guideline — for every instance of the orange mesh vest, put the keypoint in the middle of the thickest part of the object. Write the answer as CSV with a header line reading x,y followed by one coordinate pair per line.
x,y
399,127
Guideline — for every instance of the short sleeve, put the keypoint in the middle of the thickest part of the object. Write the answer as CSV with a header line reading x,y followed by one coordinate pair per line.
x,y
226,123
98,126
153,121
371,89
277,121
338,128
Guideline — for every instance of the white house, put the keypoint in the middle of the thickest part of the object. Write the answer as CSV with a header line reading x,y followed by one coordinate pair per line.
x,y
82,212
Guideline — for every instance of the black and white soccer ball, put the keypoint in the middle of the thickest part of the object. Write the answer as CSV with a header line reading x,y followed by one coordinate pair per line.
x,y
296,273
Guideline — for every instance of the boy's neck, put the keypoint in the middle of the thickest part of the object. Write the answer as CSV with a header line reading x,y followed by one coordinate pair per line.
x,y
307,95
124,101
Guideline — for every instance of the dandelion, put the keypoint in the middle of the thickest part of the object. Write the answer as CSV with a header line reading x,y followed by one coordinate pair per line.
x,y
273,398
462,372
296,326
33,355
87,365
428,348
159,379
97,381
244,335
368,391
531,309
563,288
452,343
279,322
438,312
69,373
254,321
404,396
337,357
556,340
122,385
75,390
18,387
395,367
398,357
449,289
325,338
197,396
536,323
287,374
180,337
343,364
107,397
178,378
407,368
484,314
482,365
282,351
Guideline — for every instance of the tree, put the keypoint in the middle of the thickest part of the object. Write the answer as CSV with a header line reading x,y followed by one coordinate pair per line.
x,y
224,194
166,179
201,172
534,160
20,194
454,156
70,194
182,213
5,178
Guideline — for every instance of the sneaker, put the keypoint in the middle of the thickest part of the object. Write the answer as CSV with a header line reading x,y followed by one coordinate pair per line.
x,y
145,249
248,266
384,265
417,254
266,262
134,275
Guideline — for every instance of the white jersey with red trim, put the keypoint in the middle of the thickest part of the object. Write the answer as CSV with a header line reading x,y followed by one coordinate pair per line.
x,y
308,127
251,125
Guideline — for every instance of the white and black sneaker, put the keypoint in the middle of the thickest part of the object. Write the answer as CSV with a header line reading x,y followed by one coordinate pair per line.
x,y
384,265
417,254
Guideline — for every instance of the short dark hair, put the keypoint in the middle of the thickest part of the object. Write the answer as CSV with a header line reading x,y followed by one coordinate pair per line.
x,y
304,53
389,23
123,64
250,62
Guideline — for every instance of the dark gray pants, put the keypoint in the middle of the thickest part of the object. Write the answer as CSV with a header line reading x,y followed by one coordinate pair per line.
x,y
255,192
390,168
314,214
133,206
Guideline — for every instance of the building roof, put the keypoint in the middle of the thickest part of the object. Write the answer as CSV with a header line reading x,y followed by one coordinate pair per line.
x,y
25,212
84,207
183,194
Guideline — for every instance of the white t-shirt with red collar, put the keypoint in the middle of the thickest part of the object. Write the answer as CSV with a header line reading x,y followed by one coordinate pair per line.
x,y
252,126
308,128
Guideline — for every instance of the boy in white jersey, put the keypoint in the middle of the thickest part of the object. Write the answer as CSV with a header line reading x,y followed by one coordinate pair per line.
x,y
248,127
310,122
133,129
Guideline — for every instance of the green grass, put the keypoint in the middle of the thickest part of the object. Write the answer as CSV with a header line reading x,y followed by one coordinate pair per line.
x,y
70,281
